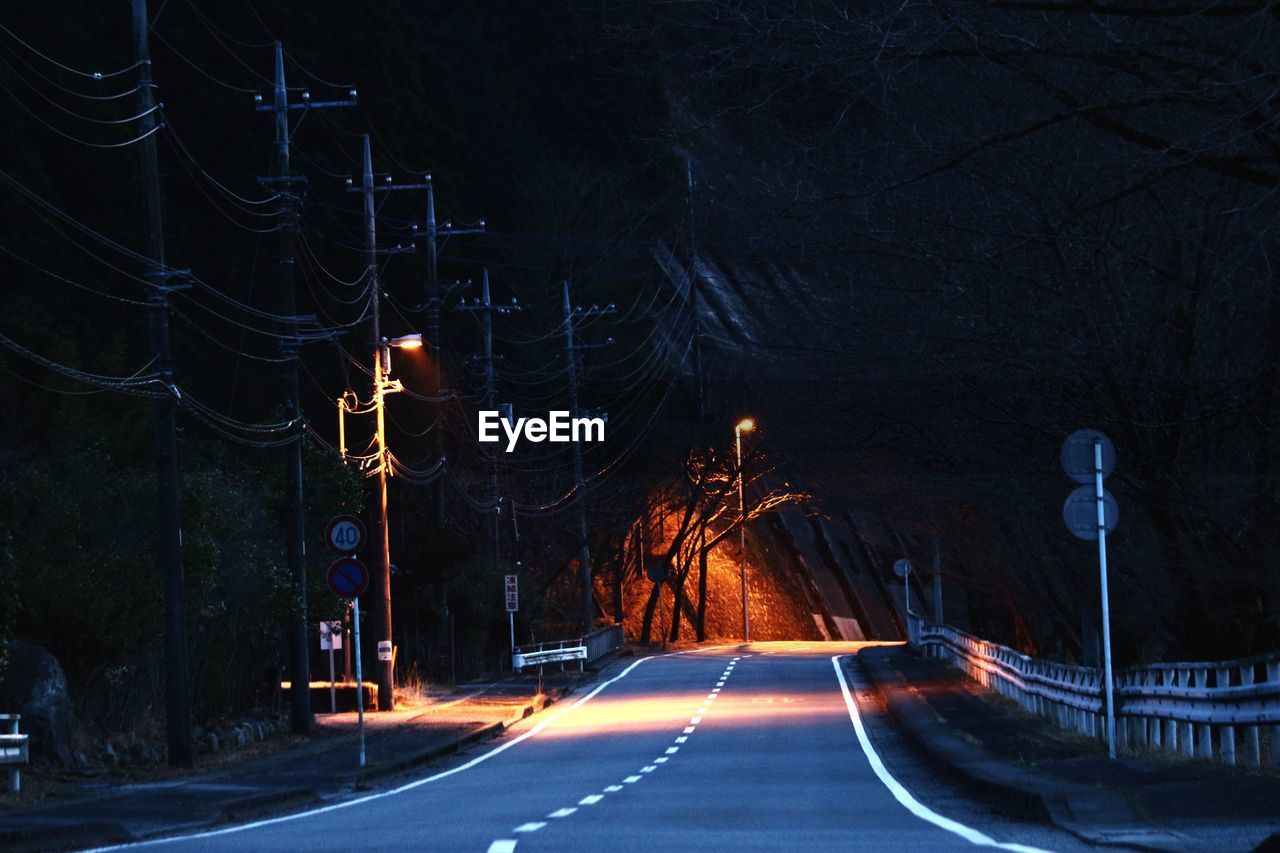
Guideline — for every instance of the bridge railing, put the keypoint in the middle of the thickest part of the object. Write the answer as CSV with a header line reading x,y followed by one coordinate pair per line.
x,y
1228,710
588,648
601,641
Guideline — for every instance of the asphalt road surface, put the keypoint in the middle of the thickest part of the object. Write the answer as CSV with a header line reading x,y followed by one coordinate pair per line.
x,y
733,748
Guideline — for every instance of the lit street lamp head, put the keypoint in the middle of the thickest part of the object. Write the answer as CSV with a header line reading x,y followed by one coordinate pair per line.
x,y
745,425
406,342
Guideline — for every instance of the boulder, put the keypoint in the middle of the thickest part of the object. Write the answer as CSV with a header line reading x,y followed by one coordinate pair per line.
x,y
35,686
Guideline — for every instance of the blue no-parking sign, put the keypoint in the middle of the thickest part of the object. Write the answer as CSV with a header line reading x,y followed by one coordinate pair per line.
x,y
348,577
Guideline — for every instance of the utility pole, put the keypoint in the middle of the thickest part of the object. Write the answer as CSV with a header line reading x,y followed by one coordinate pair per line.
x,y
487,309
296,549
433,303
381,538
579,482
177,688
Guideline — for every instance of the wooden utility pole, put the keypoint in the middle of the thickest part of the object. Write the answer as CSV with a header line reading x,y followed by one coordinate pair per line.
x,y
432,305
579,481
169,545
295,549
487,309
381,586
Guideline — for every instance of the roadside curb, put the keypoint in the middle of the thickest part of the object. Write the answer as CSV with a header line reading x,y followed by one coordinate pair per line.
x,y
1011,790
363,780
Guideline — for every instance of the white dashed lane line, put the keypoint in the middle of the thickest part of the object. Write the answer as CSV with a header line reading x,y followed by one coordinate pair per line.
x,y
508,845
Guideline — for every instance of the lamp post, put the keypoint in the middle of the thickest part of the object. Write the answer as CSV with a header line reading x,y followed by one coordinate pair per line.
x,y
744,425
383,385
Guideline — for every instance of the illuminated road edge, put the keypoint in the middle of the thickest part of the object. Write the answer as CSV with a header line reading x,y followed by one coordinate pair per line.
x,y
901,794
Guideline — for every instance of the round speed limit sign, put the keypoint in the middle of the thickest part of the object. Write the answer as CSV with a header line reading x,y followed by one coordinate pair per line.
x,y
345,534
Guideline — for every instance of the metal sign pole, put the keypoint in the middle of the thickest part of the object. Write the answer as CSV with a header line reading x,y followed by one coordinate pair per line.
x,y
512,617
355,607
333,689
1106,606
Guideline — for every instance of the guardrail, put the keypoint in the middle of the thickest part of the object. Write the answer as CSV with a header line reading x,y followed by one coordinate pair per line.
x,y
1229,710
601,641
547,653
14,749
589,647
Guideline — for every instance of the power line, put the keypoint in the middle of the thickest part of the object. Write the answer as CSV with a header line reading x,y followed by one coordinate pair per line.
x,y
92,75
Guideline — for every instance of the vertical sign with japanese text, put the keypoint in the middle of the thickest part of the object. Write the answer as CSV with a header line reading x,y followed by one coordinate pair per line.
x,y
512,594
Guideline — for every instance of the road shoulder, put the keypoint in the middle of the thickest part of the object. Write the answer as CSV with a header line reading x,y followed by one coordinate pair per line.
x,y
1018,765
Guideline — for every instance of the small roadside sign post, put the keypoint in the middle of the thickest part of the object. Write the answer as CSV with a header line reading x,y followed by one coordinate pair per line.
x,y
348,578
330,639
1091,512
902,568
511,587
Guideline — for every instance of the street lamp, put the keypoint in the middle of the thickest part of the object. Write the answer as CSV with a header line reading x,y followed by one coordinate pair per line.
x,y
744,425
383,385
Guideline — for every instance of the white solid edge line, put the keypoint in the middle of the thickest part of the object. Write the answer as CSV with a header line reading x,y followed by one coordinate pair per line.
x,y
370,797
902,795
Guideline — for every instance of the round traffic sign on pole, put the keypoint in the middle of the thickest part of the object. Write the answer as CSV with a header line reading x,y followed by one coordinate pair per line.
x,y
348,578
1078,458
902,568
345,534
1080,512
